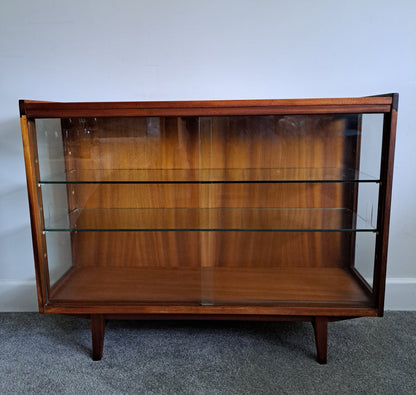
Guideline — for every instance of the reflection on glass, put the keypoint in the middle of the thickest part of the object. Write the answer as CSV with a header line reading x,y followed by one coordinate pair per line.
x,y
223,219
184,176
59,255
259,209
365,247
148,267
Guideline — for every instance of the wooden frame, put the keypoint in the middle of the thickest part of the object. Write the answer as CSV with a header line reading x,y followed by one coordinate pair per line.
x,y
317,313
38,109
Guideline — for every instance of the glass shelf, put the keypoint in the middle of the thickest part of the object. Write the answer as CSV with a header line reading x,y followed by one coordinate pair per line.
x,y
233,175
210,219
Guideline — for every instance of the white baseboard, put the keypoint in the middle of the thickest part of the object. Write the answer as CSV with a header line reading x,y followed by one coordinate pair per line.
x,y
400,293
18,296
21,295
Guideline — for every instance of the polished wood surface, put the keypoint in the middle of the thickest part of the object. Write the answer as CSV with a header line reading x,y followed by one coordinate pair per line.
x,y
288,141
279,249
292,143
389,140
215,312
229,285
36,219
155,112
35,109
193,249
131,143
273,195
137,249
184,249
320,326
291,147
97,334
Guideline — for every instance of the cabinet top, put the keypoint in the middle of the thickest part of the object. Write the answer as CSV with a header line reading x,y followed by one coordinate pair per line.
x,y
369,104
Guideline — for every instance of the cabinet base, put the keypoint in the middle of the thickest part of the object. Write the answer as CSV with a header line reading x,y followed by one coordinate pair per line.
x,y
320,325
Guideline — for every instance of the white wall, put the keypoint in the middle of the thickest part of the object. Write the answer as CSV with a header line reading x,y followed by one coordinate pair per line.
x,y
96,50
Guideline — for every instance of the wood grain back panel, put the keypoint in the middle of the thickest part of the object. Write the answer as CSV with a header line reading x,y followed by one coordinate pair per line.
x,y
279,249
295,142
137,195
137,249
131,143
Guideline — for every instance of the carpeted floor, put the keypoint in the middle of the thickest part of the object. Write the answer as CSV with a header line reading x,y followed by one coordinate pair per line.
x,y
49,354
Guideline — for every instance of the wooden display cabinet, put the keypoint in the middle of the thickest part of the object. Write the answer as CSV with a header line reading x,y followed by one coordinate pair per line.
x,y
253,210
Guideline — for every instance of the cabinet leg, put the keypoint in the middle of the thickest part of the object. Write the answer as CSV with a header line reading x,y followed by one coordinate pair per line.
x,y
97,332
320,326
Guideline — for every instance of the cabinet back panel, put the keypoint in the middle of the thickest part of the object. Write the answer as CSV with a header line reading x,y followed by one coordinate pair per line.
x,y
131,143
307,141
136,195
136,249
280,249
302,195
256,142
295,141
220,249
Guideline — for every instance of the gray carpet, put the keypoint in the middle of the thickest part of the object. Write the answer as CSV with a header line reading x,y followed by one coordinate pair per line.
x,y
49,354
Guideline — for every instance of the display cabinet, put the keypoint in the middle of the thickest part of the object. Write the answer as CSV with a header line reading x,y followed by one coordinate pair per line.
x,y
250,210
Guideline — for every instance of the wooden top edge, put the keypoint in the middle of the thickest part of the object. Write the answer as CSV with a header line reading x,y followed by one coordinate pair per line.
x,y
24,103
395,101
212,103
33,108
22,109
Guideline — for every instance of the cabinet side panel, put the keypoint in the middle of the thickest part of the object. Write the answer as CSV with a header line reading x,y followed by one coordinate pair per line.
x,y
69,164
389,141
56,201
34,204
351,160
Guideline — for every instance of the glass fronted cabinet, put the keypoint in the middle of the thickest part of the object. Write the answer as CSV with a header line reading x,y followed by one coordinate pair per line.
x,y
264,209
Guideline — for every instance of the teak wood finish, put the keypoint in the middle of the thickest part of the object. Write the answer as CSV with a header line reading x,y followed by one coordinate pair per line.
x,y
210,269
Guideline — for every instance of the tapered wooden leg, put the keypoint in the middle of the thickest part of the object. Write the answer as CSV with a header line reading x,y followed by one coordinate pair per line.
x,y
320,326
97,332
